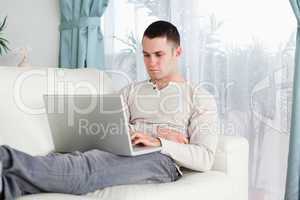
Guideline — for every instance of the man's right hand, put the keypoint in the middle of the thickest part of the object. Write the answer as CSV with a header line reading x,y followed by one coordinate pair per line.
x,y
144,139
172,135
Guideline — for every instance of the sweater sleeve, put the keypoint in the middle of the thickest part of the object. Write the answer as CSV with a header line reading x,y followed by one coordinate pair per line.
x,y
203,129
125,94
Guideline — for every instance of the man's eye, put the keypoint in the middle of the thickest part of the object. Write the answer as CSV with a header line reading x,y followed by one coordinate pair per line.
x,y
158,55
145,55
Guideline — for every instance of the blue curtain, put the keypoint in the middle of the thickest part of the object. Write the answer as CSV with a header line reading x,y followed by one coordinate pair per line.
x,y
293,176
81,39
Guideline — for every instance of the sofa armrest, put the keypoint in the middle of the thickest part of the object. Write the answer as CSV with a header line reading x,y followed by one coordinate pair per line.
x,y
232,159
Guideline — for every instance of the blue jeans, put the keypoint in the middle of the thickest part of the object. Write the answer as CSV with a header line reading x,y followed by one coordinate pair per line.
x,y
79,173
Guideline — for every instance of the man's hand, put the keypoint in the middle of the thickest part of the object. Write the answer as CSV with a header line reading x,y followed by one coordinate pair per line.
x,y
144,139
172,135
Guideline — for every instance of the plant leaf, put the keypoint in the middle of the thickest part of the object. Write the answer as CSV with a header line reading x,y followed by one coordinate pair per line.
x,y
4,40
3,45
2,26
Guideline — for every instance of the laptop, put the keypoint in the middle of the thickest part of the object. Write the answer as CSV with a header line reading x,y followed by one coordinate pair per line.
x,y
85,122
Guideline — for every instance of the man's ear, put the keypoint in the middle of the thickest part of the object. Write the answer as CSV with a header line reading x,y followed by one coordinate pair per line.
x,y
178,51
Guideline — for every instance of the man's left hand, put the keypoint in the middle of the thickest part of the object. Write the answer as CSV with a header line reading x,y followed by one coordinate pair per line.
x,y
172,135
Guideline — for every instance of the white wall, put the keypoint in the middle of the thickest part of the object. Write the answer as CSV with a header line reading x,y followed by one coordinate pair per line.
x,y
33,24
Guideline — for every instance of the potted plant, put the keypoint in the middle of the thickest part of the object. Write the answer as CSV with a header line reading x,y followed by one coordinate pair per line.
x,y
3,42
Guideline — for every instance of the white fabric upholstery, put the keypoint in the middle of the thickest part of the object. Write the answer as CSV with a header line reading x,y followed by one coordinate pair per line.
x,y
232,159
27,130
191,186
24,124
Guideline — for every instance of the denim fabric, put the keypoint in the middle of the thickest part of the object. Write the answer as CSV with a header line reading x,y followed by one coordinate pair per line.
x,y
79,173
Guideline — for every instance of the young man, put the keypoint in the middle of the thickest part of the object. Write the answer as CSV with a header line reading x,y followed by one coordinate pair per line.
x,y
164,111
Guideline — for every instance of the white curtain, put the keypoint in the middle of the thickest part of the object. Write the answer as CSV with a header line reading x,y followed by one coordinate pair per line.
x,y
241,51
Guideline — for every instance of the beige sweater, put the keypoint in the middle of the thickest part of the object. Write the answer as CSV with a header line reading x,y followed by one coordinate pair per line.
x,y
180,106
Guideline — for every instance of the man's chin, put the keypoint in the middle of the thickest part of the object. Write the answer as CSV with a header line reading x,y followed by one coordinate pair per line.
x,y
154,76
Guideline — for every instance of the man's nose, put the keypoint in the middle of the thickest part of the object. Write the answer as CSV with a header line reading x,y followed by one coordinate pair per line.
x,y
152,60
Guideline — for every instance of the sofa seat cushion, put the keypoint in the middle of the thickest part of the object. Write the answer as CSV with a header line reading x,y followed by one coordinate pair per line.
x,y
212,185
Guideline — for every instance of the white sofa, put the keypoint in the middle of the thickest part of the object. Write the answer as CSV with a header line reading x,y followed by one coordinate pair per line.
x,y
24,126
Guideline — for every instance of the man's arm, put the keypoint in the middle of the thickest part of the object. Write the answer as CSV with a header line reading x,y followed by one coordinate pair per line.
x,y
203,131
198,152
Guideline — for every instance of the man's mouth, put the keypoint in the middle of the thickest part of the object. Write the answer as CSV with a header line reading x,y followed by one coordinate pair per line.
x,y
154,70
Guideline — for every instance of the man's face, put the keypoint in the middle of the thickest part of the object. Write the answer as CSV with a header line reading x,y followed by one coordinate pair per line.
x,y
160,57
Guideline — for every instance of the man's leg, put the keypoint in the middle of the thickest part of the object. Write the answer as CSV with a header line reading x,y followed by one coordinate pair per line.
x,y
79,173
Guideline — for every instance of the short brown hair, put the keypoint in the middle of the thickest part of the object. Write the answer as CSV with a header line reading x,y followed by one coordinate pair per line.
x,y
163,29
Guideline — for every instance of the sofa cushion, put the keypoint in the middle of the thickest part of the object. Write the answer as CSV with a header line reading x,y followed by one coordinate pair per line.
x,y
24,124
211,185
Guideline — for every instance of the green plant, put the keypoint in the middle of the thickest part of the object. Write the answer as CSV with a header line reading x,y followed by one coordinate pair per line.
x,y
3,42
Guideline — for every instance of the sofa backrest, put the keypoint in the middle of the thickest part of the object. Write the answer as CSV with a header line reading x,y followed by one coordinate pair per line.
x,y
23,120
